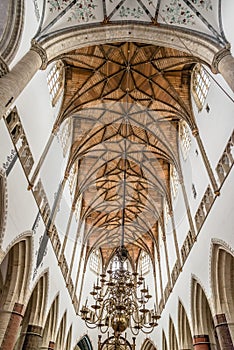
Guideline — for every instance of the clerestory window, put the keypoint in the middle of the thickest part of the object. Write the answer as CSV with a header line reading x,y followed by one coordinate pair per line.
x,y
185,139
55,82
174,181
200,85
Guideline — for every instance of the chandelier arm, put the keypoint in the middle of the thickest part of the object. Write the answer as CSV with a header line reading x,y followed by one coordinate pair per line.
x,y
88,325
151,330
134,330
101,329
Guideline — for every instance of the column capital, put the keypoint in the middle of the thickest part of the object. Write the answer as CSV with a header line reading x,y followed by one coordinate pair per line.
x,y
3,67
35,46
218,57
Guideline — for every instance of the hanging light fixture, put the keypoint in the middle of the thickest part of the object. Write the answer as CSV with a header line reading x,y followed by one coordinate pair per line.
x,y
120,297
113,343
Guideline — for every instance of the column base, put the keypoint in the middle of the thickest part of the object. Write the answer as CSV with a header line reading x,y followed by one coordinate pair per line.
x,y
201,342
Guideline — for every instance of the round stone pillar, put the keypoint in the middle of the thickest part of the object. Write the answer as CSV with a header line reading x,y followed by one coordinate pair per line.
x,y
223,332
201,342
33,338
12,329
13,82
223,63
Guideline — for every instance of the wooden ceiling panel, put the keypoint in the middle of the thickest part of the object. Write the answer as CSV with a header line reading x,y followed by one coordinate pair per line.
x,y
125,100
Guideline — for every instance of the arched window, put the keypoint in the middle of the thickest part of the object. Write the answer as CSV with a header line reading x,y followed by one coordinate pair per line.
x,y
200,86
144,262
95,261
64,135
185,139
72,177
115,264
55,82
174,181
166,211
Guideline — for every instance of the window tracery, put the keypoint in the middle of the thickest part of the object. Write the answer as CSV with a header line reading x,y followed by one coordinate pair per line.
x,y
72,177
174,180
95,261
200,86
64,135
55,82
166,212
144,263
185,139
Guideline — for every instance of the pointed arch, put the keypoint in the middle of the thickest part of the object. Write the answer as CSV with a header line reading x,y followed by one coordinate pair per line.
x,y
201,313
35,311
15,271
60,338
148,345
184,331
172,336
164,341
69,339
84,343
222,279
51,323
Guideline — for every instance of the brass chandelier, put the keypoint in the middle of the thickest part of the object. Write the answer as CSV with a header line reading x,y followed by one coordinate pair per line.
x,y
120,297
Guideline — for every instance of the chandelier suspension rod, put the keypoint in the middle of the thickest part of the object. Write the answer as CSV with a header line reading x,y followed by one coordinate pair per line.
x,y
124,192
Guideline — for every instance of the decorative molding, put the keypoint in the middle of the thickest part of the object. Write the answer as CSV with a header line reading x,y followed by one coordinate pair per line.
x,y
20,142
4,204
21,237
3,67
36,10
35,46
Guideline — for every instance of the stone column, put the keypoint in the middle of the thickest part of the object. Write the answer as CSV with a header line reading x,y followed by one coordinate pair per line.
x,y
13,326
223,332
33,338
13,83
223,63
201,342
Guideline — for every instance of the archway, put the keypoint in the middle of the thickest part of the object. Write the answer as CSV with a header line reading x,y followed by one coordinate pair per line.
x,y
60,338
185,336
222,283
15,272
172,336
31,327
148,345
84,344
164,341
48,338
203,324
69,338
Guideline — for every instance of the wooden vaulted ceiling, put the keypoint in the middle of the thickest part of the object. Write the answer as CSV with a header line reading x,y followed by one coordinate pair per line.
x,y
125,100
